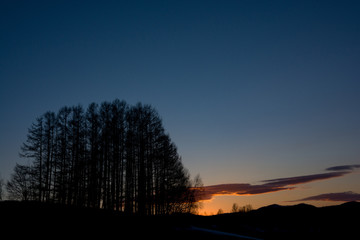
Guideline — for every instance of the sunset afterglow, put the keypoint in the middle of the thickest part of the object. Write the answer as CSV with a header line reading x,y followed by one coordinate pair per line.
x,y
260,98
223,196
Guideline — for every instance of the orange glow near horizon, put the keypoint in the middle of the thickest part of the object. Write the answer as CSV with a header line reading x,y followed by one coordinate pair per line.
x,y
225,202
322,189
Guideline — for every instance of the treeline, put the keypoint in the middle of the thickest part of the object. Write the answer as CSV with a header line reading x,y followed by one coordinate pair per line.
x,y
112,156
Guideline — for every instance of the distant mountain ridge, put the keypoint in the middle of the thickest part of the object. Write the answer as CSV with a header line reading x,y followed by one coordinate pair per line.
x,y
296,206
300,221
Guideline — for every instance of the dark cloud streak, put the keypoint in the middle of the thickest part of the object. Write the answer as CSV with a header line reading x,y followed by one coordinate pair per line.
x,y
341,197
343,168
268,186
303,179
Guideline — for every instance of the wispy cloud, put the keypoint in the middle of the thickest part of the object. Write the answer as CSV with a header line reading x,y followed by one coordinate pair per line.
x,y
341,197
343,168
303,179
272,185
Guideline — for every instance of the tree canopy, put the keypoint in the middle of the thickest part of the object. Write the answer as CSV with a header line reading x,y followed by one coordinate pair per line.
x,y
112,156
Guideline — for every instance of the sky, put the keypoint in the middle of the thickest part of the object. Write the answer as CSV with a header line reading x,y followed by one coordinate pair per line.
x,y
260,97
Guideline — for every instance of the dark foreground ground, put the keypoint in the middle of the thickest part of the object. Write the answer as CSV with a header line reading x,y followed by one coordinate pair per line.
x,y
49,221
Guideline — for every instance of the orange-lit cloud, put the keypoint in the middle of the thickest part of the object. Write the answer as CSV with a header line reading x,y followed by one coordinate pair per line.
x,y
271,185
237,189
342,197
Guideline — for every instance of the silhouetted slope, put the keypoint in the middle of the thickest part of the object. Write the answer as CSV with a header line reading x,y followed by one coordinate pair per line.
x,y
302,221
37,220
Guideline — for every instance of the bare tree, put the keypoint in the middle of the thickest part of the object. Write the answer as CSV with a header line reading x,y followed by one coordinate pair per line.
x,y
33,149
19,187
235,208
244,209
62,162
48,153
93,147
1,187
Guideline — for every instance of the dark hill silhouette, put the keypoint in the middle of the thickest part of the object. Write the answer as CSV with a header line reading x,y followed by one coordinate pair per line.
x,y
275,207
271,206
302,221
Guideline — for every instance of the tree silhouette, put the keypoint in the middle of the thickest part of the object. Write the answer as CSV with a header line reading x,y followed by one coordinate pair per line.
x,y
20,184
1,187
235,208
33,149
112,156
220,211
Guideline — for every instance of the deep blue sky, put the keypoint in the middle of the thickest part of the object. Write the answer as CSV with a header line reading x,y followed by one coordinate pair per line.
x,y
248,90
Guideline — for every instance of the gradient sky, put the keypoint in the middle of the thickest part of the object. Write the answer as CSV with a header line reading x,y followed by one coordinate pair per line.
x,y
248,90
